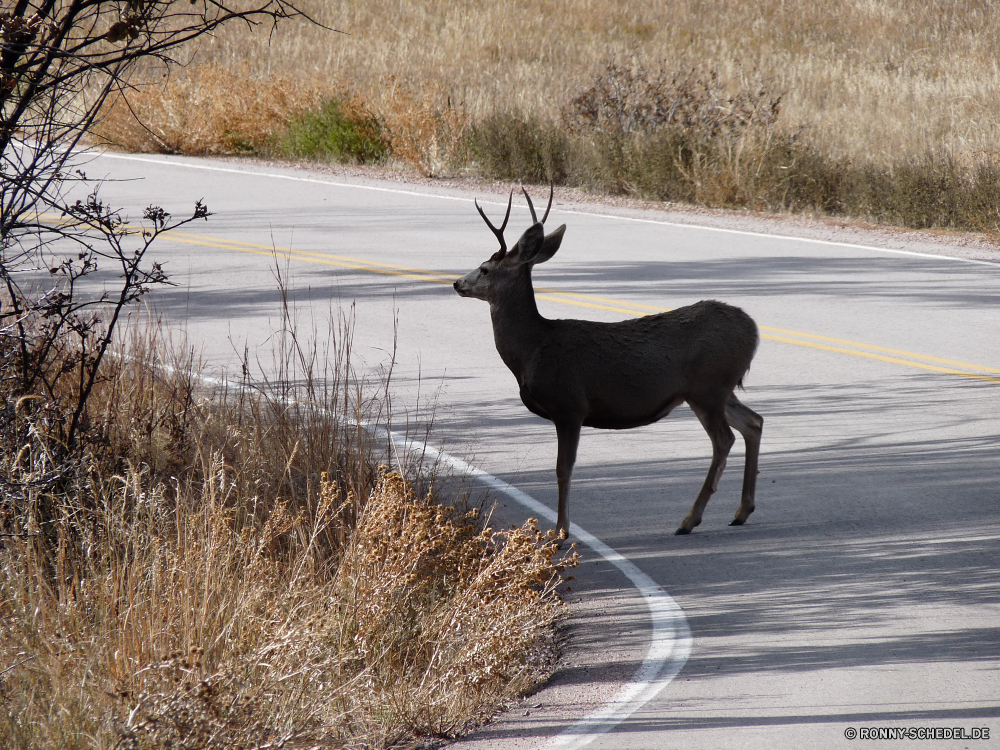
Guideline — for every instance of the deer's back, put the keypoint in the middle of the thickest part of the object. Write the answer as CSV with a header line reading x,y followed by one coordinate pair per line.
x,y
632,372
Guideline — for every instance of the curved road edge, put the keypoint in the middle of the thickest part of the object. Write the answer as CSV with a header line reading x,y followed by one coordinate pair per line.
x,y
670,637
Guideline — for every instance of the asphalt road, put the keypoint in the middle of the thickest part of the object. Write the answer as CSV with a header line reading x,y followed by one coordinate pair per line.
x,y
864,591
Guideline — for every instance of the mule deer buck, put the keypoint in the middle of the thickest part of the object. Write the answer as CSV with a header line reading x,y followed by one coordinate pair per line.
x,y
579,373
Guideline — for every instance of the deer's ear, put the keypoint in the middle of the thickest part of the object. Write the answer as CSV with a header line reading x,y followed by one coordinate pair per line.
x,y
550,244
534,246
528,246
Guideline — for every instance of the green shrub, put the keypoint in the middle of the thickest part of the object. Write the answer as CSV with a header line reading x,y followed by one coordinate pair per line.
x,y
509,146
338,131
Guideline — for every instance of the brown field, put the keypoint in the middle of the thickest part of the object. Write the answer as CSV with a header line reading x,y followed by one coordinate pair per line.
x,y
888,110
878,80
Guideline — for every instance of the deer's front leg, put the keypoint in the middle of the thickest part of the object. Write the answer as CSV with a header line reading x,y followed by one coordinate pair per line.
x,y
568,433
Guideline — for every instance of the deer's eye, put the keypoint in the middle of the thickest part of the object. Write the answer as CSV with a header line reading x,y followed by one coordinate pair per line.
x,y
483,271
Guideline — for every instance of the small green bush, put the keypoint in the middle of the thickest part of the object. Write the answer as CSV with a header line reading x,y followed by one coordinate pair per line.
x,y
509,146
336,132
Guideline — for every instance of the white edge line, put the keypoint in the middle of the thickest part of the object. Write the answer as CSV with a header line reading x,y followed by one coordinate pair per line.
x,y
670,639
594,214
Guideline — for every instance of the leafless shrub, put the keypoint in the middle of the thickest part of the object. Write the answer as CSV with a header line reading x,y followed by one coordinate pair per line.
x,y
60,62
634,100
687,136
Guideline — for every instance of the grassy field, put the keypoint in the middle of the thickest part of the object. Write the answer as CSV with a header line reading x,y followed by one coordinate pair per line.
x,y
873,79
879,98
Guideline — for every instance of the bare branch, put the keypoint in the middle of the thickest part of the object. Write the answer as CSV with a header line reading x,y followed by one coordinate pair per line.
x,y
60,61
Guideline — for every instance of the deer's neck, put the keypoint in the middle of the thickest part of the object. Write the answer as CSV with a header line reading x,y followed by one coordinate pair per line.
x,y
518,328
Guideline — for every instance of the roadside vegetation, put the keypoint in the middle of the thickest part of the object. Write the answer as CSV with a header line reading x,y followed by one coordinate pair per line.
x,y
885,111
194,564
237,566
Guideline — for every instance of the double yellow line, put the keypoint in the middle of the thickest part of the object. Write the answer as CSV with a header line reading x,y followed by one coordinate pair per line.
x,y
798,338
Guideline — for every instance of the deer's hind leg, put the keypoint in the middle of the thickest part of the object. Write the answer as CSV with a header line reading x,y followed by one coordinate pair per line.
x,y
716,425
751,425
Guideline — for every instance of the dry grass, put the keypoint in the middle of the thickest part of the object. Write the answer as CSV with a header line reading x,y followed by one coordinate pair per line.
x,y
425,128
880,100
878,80
234,569
206,110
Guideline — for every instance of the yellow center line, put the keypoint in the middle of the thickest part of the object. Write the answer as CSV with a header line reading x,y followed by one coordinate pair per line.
x,y
553,295
893,360
887,350
576,299
326,259
308,254
635,308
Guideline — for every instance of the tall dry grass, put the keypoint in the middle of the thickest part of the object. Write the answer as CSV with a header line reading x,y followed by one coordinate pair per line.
x,y
232,567
207,110
879,100
880,80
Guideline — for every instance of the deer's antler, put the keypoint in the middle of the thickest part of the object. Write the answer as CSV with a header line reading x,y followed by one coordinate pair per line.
x,y
498,232
532,208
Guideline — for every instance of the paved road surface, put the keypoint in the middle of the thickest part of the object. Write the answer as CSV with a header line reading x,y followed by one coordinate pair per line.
x,y
865,590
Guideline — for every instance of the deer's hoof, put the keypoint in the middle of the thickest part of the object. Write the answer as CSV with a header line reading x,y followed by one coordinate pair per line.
x,y
561,536
736,522
681,531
